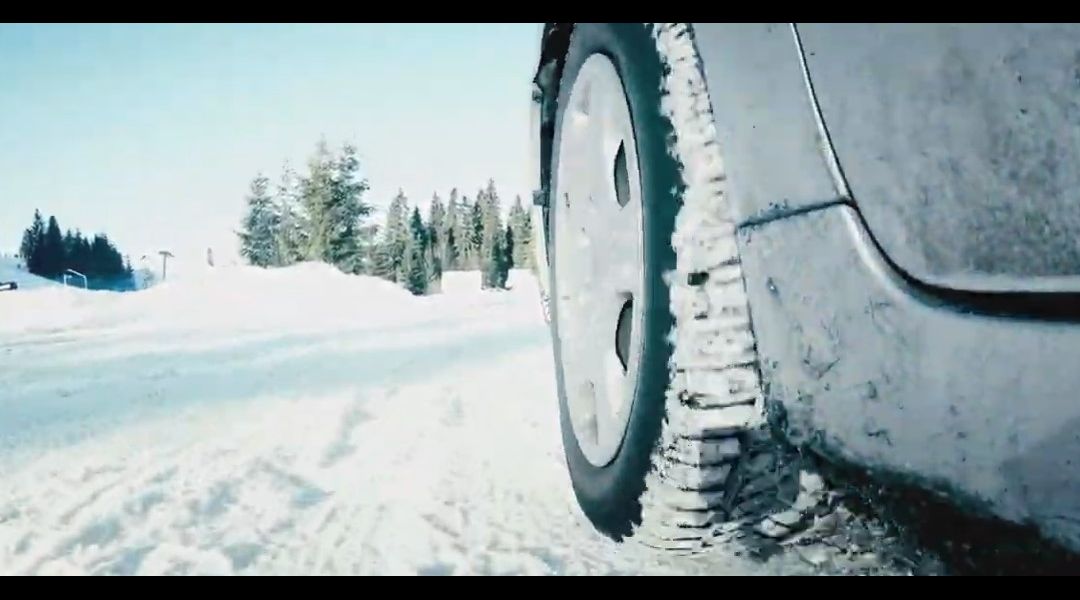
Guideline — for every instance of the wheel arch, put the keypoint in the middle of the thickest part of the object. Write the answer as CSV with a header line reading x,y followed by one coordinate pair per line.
x,y
762,108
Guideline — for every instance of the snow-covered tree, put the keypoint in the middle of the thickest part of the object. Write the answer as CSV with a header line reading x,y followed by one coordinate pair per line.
x,y
520,222
465,236
315,196
494,261
368,236
475,253
437,234
348,244
452,244
332,195
259,233
390,252
292,237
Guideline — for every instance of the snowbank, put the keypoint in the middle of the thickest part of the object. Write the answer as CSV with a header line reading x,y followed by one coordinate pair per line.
x,y
308,294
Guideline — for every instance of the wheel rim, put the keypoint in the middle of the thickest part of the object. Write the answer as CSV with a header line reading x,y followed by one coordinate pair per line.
x,y
598,253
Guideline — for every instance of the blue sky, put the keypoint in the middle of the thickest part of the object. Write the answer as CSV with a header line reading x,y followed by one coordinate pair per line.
x,y
151,133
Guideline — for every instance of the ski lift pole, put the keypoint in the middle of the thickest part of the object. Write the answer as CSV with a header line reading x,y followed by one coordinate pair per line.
x,y
165,256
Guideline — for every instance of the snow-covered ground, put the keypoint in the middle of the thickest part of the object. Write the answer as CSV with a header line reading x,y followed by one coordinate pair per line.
x,y
292,421
12,270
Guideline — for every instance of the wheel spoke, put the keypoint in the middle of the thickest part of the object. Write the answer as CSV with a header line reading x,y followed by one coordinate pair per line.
x,y
621,251
607,427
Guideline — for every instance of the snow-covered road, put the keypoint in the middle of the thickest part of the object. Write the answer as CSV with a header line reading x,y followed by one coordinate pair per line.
x,y
292,421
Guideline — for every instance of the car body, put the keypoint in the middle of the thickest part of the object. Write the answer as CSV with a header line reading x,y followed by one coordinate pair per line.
x,y
906,204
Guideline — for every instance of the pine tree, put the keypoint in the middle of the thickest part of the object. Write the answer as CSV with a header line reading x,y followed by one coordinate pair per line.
x,y
452,251
347,243
74,254
417,273
69,249
315,196
334,209
503,260
52,250
97,257
497,268
30,249
332,194
260,227
493,260
83,254
390,254
368,236
476,234
27,247
292,239
509,246
464,235
73,257
105,261
437,235
520,221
